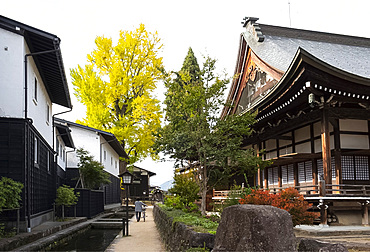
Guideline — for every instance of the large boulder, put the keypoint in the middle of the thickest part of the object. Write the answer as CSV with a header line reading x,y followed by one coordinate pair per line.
x,y
255,228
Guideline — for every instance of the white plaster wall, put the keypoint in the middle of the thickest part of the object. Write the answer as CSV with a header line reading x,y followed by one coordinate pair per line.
x,y
11,74
12,98
270,144
354,141
353,125
111,163
303,148
95,144
37,110
302,134
86,139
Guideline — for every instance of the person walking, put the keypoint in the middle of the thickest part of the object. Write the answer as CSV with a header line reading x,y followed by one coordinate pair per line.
x,y
138,209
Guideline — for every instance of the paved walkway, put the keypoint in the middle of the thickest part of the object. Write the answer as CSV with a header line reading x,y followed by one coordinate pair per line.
x,y
356,238
143,236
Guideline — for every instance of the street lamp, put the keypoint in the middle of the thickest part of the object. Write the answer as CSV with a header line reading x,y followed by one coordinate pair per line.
x,y
126,180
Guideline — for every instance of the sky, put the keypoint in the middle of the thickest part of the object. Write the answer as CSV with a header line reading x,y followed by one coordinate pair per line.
x,y
209,27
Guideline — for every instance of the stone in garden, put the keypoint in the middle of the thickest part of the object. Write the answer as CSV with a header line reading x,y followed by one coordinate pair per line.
x,y
255,228
310,245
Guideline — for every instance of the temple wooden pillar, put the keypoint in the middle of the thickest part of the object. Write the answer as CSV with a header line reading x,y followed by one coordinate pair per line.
x,y
325,146
326,160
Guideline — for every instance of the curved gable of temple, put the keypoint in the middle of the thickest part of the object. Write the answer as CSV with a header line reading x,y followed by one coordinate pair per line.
x,y
273,58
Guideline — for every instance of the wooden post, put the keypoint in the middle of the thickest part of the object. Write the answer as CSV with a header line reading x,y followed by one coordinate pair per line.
x,y
325,146
322,188
280,179
365,214
265,180
323,213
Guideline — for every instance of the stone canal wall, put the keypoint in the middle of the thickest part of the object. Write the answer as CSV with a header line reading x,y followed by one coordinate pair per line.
x,y
177,236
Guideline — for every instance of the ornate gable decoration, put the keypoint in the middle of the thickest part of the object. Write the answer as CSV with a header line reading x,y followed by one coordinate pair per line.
x,y
250,24
255,82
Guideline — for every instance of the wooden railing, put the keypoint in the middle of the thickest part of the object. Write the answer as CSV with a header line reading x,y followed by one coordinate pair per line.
x,y
321,189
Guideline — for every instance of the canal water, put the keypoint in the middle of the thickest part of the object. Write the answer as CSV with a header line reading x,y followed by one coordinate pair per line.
x,y
90,240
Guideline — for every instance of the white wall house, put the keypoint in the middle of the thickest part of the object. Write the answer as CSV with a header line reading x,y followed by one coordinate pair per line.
x,y
37,80
32,79
103,146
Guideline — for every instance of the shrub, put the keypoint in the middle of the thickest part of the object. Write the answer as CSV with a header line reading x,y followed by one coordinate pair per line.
x,y
186,187
92,172
10,193
66,197
174,202
289,199
194,220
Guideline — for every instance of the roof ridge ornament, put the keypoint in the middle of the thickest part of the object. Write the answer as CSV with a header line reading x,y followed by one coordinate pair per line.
x,y
250,24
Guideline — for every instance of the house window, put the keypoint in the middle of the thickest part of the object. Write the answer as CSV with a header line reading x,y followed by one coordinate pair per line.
x,y
273,176
355,168
320,168
35,89
287,174
111,160
305,172
115,164
57,146
105,155
47,114
36,152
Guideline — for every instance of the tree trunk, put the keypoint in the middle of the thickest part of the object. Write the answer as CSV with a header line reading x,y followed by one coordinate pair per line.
x,y
203,192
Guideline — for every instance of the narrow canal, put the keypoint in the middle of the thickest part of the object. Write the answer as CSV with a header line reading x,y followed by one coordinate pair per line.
x,y
90,240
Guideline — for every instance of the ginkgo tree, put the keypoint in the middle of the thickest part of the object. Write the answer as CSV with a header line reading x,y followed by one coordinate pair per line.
x,y
116,86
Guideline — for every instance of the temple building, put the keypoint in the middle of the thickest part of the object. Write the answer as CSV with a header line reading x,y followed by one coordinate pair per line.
x,y
311,94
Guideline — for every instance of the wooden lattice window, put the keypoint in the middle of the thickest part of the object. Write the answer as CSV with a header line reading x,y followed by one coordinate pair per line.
x,y
305,172
320,168
287,174
355,167
273,176
362,167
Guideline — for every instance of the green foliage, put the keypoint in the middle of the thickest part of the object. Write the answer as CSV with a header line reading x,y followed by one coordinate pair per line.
x,y
117,87
195,133
197,222
10,193
186,188
91,171
4,233
66,196
173,202
203,249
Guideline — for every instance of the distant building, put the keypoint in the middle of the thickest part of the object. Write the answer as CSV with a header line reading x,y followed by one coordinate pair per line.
x,y
311,93
32,78
140,189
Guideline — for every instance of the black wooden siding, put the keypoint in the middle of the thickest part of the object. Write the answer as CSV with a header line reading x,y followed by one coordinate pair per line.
x,y
17,137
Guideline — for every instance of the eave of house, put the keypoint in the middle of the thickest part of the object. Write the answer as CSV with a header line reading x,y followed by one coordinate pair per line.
x,y
65,134
49,65
144,170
